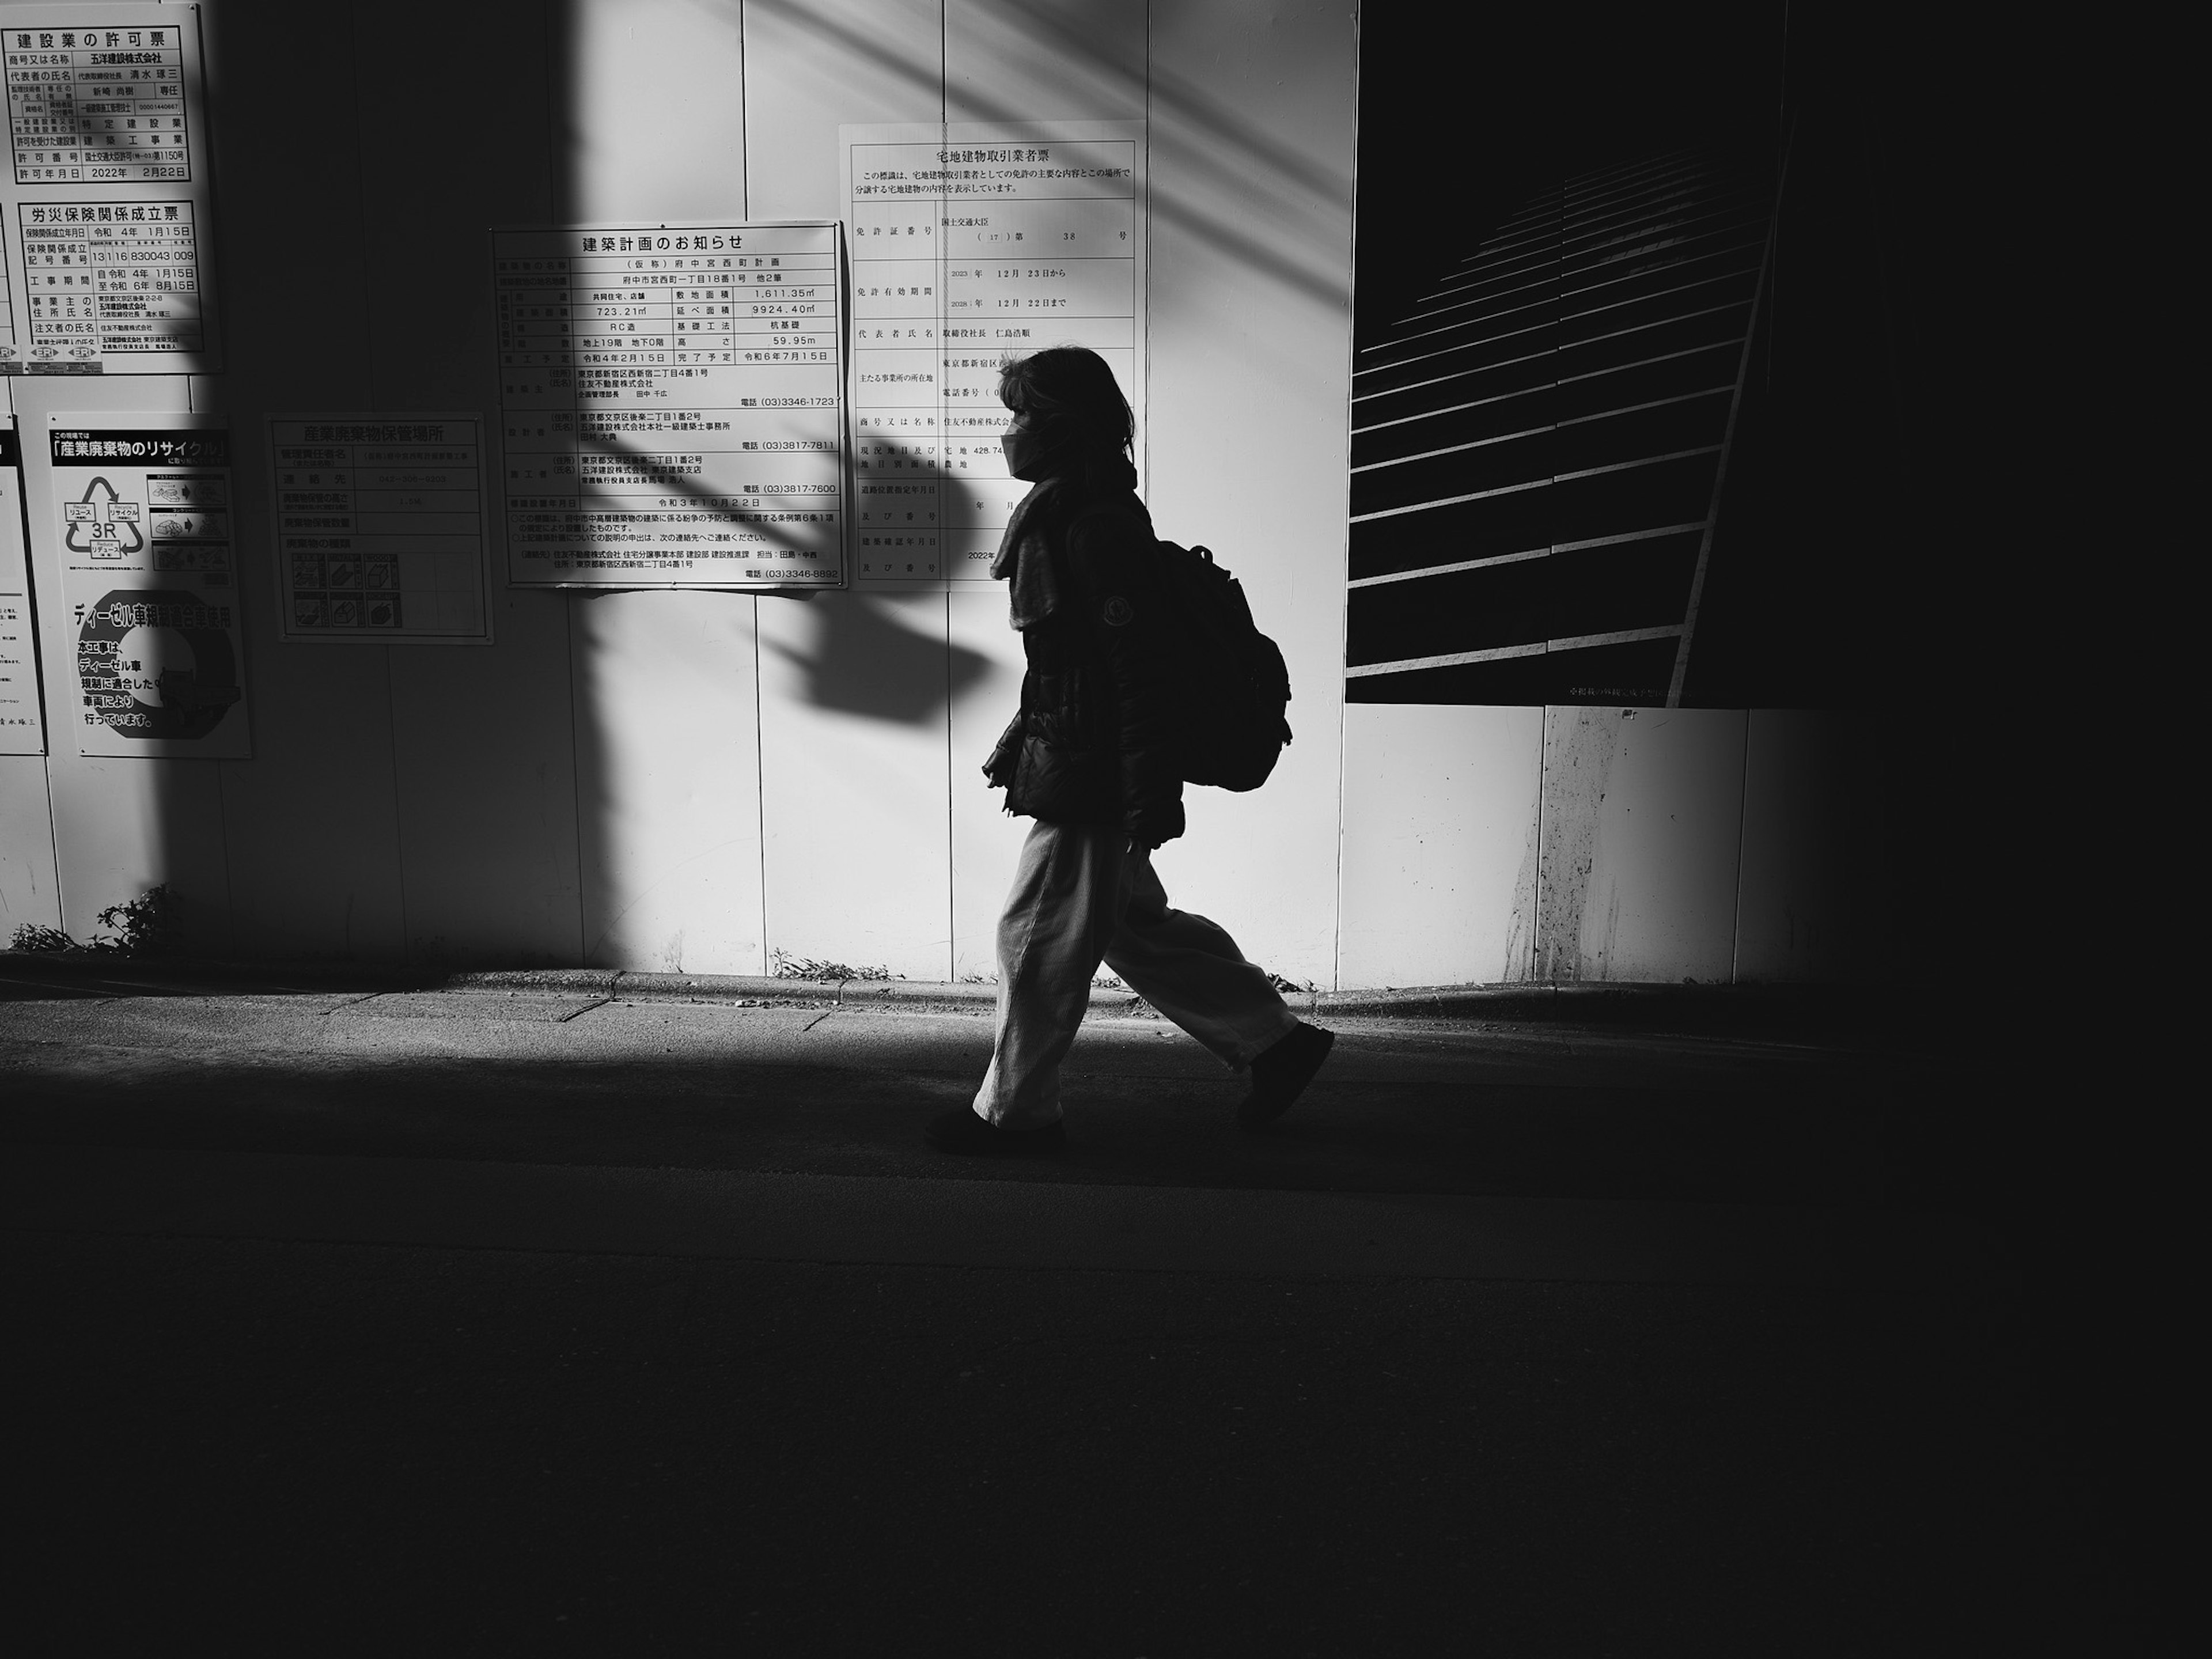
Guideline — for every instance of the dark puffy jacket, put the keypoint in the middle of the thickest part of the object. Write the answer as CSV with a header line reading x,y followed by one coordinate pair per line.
x,y
1095,741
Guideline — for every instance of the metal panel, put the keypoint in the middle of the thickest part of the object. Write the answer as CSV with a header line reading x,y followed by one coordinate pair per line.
x,y
668,755
1813,903
813,64
1252,137
1642,829
985,840
853,734
30,889
120,826
1044,60
1440,843
312,824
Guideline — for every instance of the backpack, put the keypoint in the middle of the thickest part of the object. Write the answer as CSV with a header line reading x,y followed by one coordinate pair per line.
x,y
1235,683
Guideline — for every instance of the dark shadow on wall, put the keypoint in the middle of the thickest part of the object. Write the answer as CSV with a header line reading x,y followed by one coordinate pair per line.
x,y
866,661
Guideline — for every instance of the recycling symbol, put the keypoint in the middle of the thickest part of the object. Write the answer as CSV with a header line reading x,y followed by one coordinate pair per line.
x,y
101,525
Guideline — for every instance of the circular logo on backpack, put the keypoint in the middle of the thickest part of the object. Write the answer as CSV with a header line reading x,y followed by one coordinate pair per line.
x,y
1119,612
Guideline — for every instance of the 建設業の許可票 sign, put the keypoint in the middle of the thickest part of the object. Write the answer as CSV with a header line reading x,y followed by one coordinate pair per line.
x,y
142,528
105,203
672,405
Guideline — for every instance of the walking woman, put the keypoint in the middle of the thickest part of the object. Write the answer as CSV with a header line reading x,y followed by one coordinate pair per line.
x,y
1093,756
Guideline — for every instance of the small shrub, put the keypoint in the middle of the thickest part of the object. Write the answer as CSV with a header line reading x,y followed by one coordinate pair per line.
x,y
29,936
787,966
144,926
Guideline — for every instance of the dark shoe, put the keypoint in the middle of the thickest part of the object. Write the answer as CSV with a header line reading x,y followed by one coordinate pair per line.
x,y
961,1131
1280,1075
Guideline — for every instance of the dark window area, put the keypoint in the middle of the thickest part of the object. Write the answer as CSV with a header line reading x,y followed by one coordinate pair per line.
x,y
1640,297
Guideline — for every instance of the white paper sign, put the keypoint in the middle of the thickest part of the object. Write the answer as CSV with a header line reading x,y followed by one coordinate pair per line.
x,y
672,405
104,201
380,522
971,243
22,730
142,536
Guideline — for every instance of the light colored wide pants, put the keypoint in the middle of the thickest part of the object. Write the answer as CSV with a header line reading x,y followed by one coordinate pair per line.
x,y
1082,895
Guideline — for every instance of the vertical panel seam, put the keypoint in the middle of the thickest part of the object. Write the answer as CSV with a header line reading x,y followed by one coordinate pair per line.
x,y
744,126
1742,819
760,785
575,781
398,817
1343,590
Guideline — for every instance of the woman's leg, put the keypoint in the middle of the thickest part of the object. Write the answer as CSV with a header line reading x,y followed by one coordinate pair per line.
x,y
1192,971
1068,890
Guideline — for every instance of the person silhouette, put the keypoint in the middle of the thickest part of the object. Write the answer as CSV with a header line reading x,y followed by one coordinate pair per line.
x,y
1092,756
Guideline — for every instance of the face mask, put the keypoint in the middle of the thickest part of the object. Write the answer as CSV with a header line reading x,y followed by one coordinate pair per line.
x,y
1023,451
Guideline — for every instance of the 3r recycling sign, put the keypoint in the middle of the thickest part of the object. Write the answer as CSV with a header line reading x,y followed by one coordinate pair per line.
x,y
142,517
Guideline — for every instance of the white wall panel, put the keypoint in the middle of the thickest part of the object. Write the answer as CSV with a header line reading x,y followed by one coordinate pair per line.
x,y
853,690
668,763
311,821
853,765
1252,143
652,122
650,125
120,826
1440,843
1642,831
1044,60
1813,905
985,841
484,739
812,65
30,886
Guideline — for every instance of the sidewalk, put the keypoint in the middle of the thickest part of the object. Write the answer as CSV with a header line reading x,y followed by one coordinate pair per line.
x,y
631,1313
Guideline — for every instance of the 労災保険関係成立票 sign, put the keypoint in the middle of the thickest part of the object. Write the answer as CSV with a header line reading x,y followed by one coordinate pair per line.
x,y
672,405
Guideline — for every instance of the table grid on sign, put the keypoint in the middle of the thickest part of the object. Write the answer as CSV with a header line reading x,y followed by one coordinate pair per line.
x,y
967,249
380,519
669,404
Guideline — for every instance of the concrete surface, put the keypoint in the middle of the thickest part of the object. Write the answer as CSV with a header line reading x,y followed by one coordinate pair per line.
x,y
523,1318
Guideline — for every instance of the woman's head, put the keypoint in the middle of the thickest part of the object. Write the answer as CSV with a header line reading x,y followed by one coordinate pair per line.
x,y
1069,413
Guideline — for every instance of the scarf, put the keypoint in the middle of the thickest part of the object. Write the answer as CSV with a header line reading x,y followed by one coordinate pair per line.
x,y
1028,558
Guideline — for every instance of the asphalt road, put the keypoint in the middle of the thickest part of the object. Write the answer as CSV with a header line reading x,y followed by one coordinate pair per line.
x,y
484,1323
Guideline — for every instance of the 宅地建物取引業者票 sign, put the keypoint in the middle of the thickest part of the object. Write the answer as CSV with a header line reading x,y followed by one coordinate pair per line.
x,y
971,244
672,405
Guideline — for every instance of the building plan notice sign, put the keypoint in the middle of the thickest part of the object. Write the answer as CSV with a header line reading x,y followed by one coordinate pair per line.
x,y
971,243
671,406
380,528
23,729
104,204
148,584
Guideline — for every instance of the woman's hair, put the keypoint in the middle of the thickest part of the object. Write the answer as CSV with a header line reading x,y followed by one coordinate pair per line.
x,y
1070,387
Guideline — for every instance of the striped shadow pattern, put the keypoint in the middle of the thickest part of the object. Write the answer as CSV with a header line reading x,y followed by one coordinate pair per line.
x,y
1538,450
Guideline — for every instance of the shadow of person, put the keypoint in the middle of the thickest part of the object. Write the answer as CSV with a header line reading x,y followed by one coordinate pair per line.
x,y
864,659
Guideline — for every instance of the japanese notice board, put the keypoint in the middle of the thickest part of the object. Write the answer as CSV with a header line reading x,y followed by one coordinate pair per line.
x,y
22,727
149,585
672,410
380,528
105,225
971,243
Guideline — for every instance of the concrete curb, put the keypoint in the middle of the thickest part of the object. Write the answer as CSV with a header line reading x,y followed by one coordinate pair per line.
x,y
1825,1014
621,986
